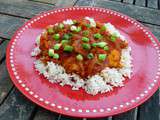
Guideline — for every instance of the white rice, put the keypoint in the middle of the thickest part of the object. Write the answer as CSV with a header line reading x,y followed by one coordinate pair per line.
x,y
112,30
102,82
35,51
68,22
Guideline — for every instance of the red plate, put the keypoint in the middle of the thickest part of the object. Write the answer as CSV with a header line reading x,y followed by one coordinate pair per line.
x,y
143,83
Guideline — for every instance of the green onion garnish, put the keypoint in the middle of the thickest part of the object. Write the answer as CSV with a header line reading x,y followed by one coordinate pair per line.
x,y
56,56
85,33
97,36
113,38
66,36
50,30
102,57
51,52
85,39
90,56
94,44
101,44
57,46
79,57
106,48
86,46
78,29
103,28
56,36
88,25
64,42
68,48
61,26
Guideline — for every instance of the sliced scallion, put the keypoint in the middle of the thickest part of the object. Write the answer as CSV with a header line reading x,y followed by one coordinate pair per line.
x,y
86,46
68,48
102,57
79,57
85,39
90,56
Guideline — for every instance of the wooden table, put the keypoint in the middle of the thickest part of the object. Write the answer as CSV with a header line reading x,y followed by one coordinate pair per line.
x,y
13,13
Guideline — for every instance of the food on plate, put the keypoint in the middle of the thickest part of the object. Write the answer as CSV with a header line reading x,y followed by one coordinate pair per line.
x,y
83,54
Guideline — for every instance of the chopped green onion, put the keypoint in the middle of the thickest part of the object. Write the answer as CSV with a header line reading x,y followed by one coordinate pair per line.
x,y
70,34
85,33
102,57
51,52
86,46
66,36
94,44
113,38
106,48
57,46
64,42
68,48
56,36
97,35
61,26
50,30
101,44
90,56
103,28
56,56
79,57
88,25
78,29
85,39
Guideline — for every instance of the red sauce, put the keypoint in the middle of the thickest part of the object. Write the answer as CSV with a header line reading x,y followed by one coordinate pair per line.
x,y
85,67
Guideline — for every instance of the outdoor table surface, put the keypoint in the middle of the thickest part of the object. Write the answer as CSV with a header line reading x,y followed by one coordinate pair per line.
x,y
13,13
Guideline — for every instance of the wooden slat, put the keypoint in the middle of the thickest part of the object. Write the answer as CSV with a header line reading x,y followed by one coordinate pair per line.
x,y
58,3
85,3
5,82
117,0
65,3
69,118
140,13
130,115
10,26
140,2
16,107
1,42
128,1
3,49
153,3
26,9
150,110
46,1
105,118
43,114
